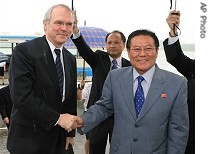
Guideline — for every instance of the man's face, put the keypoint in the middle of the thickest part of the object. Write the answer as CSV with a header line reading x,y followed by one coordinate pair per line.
x,y
142,53
60,26
115,45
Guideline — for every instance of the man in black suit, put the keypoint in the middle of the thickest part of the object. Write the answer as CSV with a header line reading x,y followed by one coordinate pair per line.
x,y
101,64
40,120
5,105
186,66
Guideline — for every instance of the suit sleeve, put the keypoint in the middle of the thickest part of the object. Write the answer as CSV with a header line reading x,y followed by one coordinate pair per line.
x,y
101,110
85,51
176,57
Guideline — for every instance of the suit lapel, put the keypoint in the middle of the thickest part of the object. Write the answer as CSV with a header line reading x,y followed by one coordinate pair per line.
x,y
67,71
125,63
49,63
128,94
107,63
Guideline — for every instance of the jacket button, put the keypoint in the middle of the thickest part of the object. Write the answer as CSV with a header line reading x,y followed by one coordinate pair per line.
x,y
136,125
134,140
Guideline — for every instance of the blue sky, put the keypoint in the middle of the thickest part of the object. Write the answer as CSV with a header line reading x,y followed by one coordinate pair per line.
x,y
109,15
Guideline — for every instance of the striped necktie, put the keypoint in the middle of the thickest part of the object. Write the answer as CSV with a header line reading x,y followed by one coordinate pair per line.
x,y
114,62
59,69
139,96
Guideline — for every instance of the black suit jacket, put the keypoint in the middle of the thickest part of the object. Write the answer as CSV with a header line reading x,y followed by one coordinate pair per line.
x,y
37,100
5,102
100,63
186,67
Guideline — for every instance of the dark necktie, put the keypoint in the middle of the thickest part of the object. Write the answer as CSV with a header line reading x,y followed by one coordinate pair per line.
x,y
139,96
114,62
59,69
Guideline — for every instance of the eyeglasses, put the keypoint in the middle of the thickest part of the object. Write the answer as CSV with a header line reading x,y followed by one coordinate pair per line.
x,y
146,49
113,43
61,24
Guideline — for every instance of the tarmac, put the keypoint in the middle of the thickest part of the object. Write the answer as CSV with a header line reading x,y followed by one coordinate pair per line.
x,y
79,139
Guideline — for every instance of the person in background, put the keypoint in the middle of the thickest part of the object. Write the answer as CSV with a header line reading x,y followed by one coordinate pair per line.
x,y
86,95
43,90
186,66
5,105
2,70
83,93
80,88
101,63
159,124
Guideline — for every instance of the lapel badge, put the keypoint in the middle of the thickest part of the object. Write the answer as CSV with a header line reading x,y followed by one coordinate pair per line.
x,y
163,95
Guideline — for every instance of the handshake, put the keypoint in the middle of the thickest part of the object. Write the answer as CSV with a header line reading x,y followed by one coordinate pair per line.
x,y
70,122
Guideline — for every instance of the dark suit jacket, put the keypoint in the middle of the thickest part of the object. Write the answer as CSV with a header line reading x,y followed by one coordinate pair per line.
x,y
186,67
100,63
37,100
5,102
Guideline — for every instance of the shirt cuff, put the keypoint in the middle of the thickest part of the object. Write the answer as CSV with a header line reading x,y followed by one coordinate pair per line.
x,y
172,40
75,36
58,120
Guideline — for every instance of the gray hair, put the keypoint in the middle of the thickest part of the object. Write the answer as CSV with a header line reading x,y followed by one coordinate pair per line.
x,y
47,15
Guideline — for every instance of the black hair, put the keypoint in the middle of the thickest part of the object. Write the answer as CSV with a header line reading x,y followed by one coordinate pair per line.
x,y
116,31
142,32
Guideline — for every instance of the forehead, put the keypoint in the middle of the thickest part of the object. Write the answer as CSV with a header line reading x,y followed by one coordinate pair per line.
x,y
61,13
113,36
142,40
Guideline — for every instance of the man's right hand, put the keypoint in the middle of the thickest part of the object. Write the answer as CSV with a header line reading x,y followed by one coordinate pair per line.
x,y
173,18
66,121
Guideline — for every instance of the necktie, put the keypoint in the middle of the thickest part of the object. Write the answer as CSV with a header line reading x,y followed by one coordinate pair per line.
x,y
139,96
114,62
59,69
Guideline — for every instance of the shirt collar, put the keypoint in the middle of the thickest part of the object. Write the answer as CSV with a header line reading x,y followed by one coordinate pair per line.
x,y
119,60
147,76
52,47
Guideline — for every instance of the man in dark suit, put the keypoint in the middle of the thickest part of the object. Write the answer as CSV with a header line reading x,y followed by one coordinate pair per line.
x,y
40,120
5,105
186,66
101,64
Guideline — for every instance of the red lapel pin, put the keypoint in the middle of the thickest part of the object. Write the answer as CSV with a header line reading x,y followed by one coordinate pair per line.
x,y
163,95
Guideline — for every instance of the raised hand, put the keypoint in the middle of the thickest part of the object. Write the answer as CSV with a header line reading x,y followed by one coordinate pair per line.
x,y
75,28
173,18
